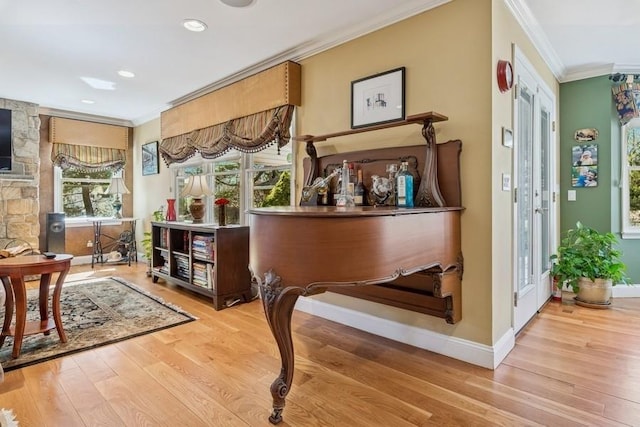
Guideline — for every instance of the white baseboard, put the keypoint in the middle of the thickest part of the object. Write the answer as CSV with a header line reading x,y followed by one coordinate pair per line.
x,y
622,291
457,348
82,259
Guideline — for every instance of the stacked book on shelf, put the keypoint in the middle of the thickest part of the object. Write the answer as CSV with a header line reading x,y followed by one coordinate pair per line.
x,y
202,247
182,266
164,267
164,238
203,274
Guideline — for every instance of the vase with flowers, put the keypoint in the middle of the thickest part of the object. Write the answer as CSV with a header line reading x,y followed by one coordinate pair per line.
x,y
221,203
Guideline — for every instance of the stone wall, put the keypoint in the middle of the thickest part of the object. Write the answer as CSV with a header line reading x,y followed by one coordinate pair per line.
x,y
19,189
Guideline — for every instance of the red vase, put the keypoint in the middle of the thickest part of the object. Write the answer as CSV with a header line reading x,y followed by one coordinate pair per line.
x,y
171,209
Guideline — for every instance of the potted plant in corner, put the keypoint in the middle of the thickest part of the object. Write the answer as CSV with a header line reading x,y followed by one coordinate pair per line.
x,y
588,262
146,241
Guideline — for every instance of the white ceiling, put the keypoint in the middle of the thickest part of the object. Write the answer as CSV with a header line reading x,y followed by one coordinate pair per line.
x,y
47,47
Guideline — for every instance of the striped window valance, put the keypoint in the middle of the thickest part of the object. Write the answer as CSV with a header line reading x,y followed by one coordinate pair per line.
x,y
248,134
87,158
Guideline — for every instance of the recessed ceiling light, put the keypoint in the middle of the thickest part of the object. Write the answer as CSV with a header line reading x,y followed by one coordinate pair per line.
x,y
127,74
237,3
87,101
194,25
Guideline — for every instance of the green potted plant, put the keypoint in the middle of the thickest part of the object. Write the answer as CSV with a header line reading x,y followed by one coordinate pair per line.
x,y
146,241
589,263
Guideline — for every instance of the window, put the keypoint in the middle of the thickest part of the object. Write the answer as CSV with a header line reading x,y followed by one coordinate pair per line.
x,y
631,179
246,180
81,194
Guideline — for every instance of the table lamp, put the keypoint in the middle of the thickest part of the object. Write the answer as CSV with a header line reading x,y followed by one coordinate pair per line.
x,y
117,187
196,187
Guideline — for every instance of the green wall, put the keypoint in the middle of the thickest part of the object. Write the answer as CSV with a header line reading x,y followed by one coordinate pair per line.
x,y
588,104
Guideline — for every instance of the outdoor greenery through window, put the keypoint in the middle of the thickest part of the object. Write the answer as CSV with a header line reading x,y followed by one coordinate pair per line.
x,y
84,193
246,180
631,177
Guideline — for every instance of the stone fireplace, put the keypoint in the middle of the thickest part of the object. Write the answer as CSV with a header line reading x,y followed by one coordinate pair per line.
x,y
19,188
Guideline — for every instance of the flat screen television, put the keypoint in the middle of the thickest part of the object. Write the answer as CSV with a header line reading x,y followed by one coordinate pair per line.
x,y
5,140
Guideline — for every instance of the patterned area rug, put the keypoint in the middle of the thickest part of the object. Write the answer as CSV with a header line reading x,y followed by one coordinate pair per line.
x,y
94,313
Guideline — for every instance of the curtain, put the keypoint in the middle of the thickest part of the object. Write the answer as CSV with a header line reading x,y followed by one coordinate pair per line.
x,y
87,158
626,97
247,134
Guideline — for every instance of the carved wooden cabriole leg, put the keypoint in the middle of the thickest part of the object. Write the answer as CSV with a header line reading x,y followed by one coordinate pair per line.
x,y
8,308
429,191
278,303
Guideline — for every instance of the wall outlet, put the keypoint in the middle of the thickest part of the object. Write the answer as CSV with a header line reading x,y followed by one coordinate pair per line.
x,y
89,243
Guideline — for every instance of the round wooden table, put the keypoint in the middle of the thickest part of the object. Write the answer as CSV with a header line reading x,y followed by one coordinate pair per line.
x,y
12,273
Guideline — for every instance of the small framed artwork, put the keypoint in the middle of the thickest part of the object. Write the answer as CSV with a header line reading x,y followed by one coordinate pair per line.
x,y
584,167
507,137
150,160
378,99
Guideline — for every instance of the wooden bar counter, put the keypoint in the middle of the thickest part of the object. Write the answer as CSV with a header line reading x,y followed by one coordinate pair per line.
x,y
306,250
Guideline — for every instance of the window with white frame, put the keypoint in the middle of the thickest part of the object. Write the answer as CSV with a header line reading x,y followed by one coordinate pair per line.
x,y
82,194
245,180
631,179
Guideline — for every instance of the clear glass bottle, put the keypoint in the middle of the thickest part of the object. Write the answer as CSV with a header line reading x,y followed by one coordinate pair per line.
x,y
345,199
404,187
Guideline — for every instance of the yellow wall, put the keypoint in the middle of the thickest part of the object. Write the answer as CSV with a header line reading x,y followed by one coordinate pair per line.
x,y
447,55
150,191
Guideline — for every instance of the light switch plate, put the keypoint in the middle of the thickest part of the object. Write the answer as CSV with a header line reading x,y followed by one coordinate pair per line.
x,y
506,182
571,195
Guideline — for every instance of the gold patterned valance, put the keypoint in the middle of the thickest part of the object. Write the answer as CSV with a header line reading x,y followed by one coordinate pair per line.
x,y
263,91
248,116
246,134
80,132
87,158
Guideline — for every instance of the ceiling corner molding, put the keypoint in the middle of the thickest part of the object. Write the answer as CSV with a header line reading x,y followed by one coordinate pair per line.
x,y
84,117
587,73
325,42
626,68
532,29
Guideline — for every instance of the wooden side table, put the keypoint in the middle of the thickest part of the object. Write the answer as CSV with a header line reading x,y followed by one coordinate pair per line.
x,y
12,273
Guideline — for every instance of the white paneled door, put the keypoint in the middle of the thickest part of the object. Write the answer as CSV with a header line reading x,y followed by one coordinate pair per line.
x,y
534,218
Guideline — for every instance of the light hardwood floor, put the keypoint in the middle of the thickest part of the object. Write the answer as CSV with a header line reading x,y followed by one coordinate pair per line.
x,y
571,366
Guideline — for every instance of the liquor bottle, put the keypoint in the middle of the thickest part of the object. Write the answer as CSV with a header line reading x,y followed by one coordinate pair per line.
x,y
360,191
351,187
404,186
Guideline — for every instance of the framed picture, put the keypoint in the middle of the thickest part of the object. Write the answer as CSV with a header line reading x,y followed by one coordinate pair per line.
x,y
378,99
507,137
584,166
150,160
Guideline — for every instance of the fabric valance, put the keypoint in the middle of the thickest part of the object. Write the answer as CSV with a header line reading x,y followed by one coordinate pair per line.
x,y
248,134
626,97
84,157
80,132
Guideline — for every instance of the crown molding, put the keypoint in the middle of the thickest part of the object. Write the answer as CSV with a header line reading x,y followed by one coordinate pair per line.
x,y
533,30
85,117
587,72
322,43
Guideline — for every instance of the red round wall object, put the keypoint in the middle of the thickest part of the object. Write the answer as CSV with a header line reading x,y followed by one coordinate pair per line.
x,y
505,75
